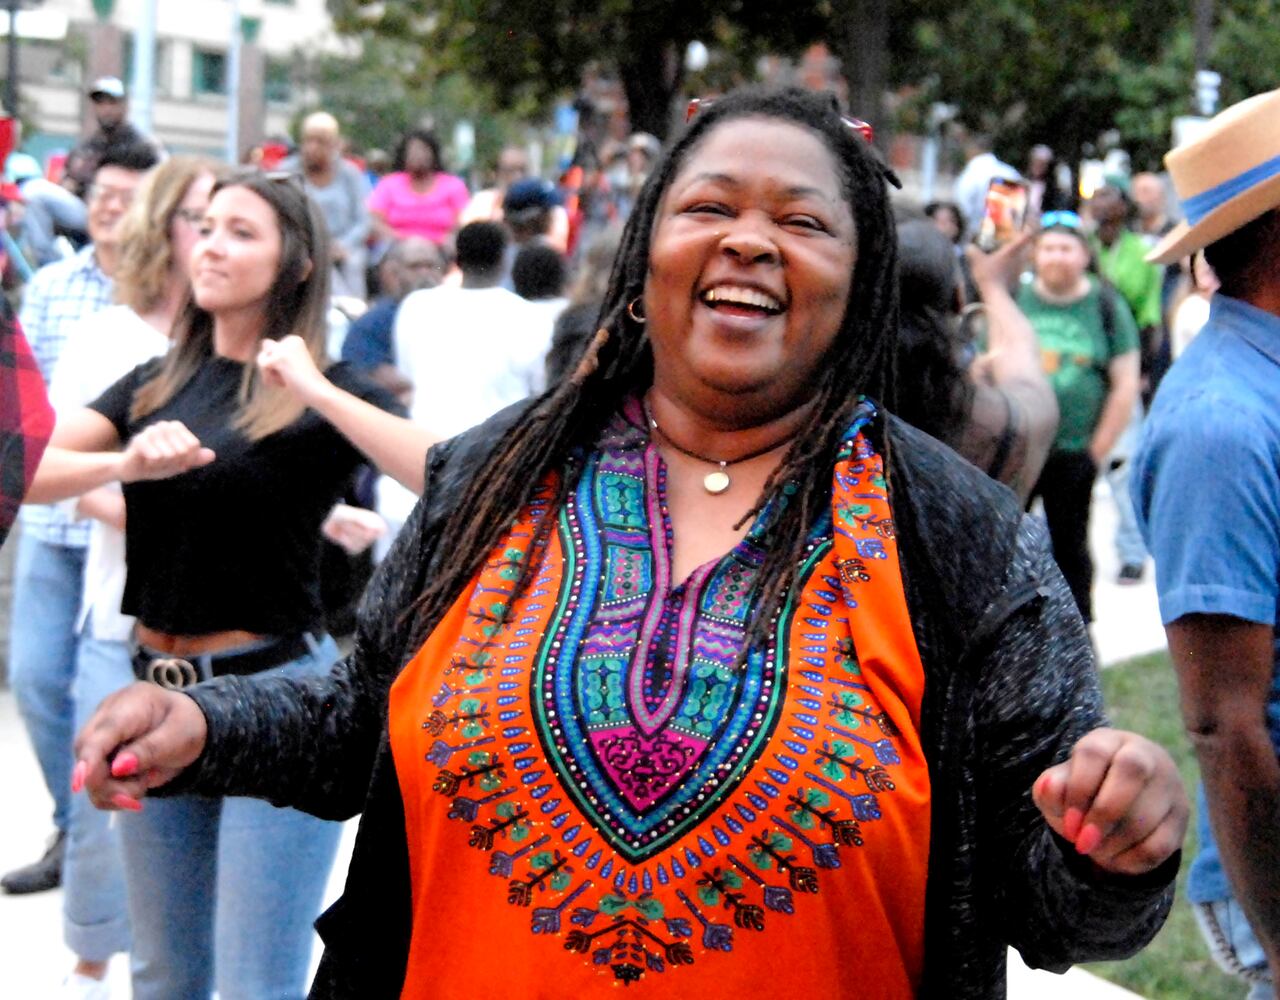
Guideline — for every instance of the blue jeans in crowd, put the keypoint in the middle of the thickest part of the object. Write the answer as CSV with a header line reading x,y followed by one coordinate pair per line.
x,y
1234,947
47,584
222,892
1129,545
94,920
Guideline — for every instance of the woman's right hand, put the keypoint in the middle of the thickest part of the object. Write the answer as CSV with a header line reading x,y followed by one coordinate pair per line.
x,y
288,364
139,738
162,450
1002,267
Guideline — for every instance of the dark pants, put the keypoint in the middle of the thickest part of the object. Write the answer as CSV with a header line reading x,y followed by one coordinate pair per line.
x,y
1066,487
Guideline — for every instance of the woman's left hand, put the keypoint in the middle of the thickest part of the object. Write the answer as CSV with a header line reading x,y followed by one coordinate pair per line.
x,y
288,364
1119,799
353,528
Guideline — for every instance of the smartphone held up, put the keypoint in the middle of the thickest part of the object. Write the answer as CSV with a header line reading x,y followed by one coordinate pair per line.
x,y
1004,213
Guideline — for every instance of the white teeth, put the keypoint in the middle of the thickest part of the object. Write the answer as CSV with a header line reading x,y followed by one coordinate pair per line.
x,y
742,297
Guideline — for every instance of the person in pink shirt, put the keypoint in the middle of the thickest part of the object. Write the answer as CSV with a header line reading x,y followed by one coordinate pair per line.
x,y
418,198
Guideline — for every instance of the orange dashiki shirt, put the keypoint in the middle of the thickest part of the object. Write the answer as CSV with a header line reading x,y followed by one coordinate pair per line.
x,y
598,795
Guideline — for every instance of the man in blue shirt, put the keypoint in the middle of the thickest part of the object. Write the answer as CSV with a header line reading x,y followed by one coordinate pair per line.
x,y
1207,491
411,263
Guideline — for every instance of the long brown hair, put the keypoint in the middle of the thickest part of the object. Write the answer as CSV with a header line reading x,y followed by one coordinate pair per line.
x,y
297,303
146,247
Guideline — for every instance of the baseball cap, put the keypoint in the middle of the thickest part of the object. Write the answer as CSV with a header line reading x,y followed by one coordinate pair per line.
x,y
107,86
21,167
645,143
530,193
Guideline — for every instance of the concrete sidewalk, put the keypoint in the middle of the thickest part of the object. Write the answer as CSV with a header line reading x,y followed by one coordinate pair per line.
x,y
33,959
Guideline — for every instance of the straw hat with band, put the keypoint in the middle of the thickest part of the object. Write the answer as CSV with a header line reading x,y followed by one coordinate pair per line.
x,y
1226,177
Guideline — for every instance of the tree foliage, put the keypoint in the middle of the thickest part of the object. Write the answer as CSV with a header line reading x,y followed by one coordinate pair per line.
x,y
1065,72
386,88
538,49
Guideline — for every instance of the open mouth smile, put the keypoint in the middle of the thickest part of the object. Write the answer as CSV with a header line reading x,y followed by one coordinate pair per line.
x,y
741,299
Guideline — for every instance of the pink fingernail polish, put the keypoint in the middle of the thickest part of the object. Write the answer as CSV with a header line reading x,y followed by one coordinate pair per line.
x,y
1089,839
78,774
128,802
1071,823
125,765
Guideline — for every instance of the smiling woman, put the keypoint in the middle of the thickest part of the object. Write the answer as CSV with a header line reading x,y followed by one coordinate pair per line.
x,y
724,313
701,664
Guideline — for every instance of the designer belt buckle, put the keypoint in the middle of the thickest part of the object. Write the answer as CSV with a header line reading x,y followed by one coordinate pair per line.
x,y
172,672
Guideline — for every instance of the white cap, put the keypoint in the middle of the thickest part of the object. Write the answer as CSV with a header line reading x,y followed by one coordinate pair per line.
x,y
107,86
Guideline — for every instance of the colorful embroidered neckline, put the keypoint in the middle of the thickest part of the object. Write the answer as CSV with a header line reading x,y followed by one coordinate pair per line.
x,y
611,757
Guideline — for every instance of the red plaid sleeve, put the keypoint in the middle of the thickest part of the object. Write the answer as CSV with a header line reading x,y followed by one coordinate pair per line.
x,y
26,420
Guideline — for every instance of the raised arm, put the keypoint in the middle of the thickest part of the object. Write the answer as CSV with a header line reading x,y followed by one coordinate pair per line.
x,y
1011,366
395,445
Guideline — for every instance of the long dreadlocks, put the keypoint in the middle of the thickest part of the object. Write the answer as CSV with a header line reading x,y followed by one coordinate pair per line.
x,y
564,422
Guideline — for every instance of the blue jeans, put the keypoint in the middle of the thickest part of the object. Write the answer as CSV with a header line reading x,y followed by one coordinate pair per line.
x,y
47,584
1234,947
222,892
94,920
1129,545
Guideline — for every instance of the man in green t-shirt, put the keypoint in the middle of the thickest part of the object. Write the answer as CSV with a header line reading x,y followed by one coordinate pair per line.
x,y
1089,351
1121,256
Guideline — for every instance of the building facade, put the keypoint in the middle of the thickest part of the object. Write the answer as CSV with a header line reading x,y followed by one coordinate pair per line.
x,y
79,40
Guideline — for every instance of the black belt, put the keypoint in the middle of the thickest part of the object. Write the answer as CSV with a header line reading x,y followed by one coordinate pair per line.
x,y
176,672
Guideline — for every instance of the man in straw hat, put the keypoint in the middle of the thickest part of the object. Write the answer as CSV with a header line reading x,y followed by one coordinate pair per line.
x,y
1207,491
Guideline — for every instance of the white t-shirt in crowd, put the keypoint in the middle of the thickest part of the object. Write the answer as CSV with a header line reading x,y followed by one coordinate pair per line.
x,y
543,314
101,349
469,352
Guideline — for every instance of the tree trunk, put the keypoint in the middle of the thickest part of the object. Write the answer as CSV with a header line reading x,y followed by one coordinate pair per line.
x,y
651,76
863,49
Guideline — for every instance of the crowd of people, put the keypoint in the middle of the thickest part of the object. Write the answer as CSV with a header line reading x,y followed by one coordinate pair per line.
x,y
689,599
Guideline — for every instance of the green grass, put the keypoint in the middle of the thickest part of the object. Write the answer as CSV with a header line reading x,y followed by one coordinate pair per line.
x,y
1142,695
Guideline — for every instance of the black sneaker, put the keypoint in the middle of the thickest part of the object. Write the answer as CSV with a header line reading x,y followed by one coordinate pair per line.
x,y
41,875
1130,574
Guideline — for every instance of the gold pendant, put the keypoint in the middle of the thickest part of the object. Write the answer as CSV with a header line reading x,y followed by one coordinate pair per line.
x,y
716,482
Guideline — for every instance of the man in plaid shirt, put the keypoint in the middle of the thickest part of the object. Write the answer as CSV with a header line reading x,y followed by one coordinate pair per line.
x,y
48,579
26,418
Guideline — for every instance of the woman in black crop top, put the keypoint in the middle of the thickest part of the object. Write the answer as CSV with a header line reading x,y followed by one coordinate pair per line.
x,y
227,479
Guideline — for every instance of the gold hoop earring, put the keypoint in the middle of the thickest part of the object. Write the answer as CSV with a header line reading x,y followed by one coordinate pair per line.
x,y
638,317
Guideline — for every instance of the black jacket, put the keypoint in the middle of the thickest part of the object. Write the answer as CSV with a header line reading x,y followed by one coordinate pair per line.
x,y
1010,687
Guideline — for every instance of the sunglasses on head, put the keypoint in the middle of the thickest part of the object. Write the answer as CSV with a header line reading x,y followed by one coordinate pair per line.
x,y
1061,220
291,177
856,125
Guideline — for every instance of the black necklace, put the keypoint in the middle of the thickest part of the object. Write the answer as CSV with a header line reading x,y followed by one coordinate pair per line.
x,y
718,481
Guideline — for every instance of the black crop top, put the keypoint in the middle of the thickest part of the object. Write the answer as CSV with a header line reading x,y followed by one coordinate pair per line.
x,y
235,544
